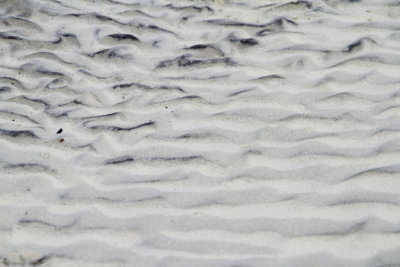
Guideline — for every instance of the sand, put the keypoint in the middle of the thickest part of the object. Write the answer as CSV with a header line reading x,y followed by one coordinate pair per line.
x,y
199,133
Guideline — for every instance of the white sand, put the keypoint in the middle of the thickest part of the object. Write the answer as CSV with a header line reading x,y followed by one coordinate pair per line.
x,y
199,133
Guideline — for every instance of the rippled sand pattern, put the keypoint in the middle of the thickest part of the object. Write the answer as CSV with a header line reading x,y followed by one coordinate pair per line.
x,y
199,133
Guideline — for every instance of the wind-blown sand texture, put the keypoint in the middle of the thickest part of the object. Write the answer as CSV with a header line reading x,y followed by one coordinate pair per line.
x,y
199,133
